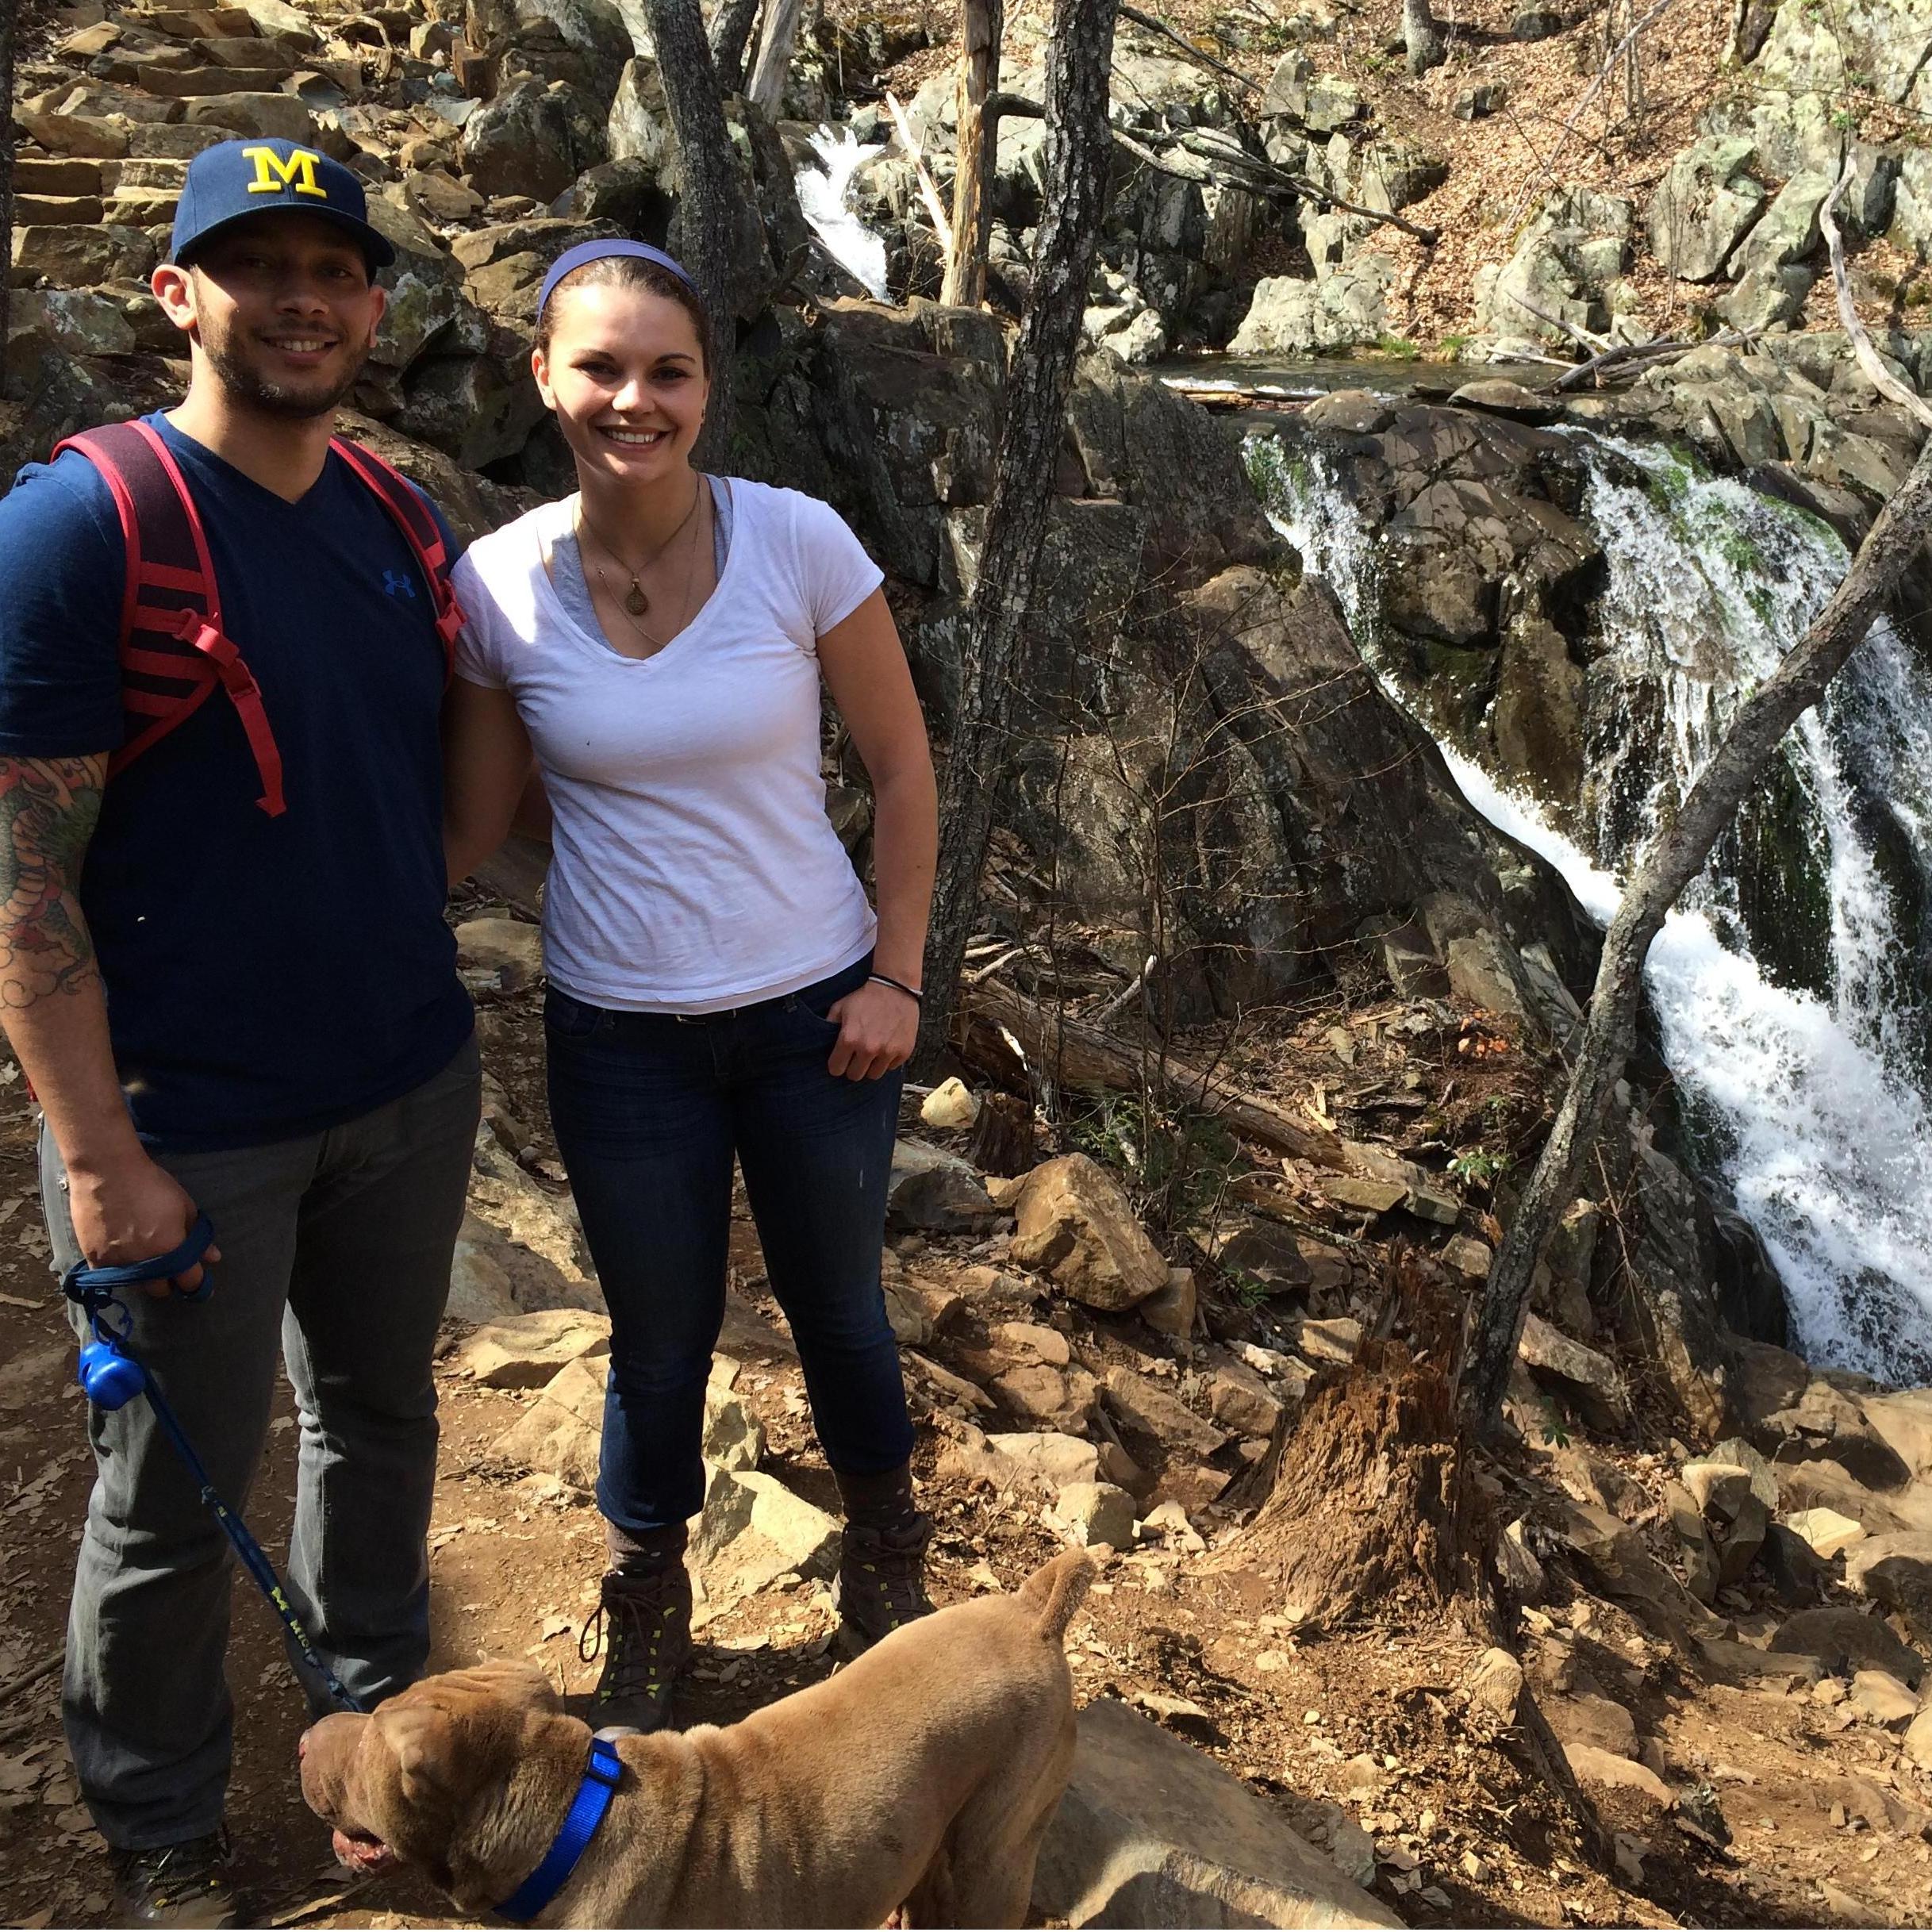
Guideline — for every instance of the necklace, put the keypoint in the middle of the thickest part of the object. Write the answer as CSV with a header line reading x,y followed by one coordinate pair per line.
x,y
635,612
634,599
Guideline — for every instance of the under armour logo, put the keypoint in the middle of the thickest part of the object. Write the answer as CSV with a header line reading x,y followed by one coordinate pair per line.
x,y
399,583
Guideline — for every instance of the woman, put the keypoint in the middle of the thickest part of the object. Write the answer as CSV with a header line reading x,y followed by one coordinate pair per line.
x,y
718,985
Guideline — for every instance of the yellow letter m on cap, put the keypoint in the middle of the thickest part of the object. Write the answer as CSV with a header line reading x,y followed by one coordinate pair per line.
x,y
273,174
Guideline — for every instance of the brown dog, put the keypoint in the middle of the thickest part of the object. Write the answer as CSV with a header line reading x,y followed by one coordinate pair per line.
x,y
923,1776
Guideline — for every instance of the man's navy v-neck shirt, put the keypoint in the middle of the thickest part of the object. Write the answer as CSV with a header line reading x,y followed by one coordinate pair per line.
x,y
266,977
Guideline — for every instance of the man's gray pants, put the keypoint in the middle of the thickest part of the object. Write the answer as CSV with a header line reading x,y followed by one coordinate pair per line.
x,y
335,1247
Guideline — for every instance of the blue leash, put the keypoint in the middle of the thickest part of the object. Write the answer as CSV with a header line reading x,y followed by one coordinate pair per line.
x,y
112,1377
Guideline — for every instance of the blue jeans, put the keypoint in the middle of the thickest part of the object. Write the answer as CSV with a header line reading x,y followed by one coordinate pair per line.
x,y
649,1109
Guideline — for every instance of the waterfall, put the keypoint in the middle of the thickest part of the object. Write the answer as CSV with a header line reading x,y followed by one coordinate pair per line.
x,y
1802,1059
822,197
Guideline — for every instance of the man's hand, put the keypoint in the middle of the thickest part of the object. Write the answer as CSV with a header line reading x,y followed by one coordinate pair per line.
x,y
879,1026
132,1212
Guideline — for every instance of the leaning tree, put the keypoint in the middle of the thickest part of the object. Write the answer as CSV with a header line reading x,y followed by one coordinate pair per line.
x,y
1677,855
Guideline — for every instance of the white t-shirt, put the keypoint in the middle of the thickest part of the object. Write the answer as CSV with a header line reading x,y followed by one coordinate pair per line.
x,y
694,866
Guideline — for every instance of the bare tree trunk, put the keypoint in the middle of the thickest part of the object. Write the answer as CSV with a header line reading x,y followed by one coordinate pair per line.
x,y
1673,862
775,56
709,191
1079,152
982,23
1422,36
730,31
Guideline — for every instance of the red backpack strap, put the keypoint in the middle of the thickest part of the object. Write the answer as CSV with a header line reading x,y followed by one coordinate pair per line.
x,y
421,530
173,651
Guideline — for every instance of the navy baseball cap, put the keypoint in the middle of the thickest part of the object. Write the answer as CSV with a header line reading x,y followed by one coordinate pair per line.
x,y
228,183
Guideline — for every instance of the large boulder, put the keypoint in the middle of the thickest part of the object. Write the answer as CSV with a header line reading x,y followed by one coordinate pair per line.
x,y
1884,42
532,139
1702,207
1153,1832
1564,270
1076,1224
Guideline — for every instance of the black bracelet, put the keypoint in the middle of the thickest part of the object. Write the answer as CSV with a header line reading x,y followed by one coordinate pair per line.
x,y
899,985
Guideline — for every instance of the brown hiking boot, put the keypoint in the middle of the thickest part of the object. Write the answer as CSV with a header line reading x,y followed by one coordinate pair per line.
x,y
184,1884
644,1622
882,1581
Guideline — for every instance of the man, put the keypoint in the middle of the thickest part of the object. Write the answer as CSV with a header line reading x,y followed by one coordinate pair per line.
x,y
232,1009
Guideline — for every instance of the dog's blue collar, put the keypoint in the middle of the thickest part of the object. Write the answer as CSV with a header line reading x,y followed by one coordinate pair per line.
x,y
579,1827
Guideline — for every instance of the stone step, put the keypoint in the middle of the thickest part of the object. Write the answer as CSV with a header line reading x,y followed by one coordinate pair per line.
x,y
145,171
33,174
81,210
195,83
269,113
144,207
69,256
226,52
199,24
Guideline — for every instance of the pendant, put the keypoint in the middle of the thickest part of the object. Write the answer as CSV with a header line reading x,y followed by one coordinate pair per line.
x,y
634,600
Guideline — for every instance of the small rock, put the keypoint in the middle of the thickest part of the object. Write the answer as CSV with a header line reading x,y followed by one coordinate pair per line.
x,y
1497,396
1169,1310
951,1105
1830,1692
1848,1639
1917,1744
1494,1684
1516,1561
1880,1699
933,1192
1170,1519
1142,1404
1475,1869
1096,1513
561,1434
752,1531
507,948
1478,102
1464,1255
1336,1339
1043,1462
1239,1399
734,1437
526,1351
1591,1379
1828,1533
1598,1767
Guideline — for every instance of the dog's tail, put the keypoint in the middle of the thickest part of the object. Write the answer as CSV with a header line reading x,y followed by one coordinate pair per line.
x,y
1056,1590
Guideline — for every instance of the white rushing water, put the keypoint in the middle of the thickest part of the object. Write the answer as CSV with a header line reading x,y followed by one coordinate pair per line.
x,y
822,200
1812,1101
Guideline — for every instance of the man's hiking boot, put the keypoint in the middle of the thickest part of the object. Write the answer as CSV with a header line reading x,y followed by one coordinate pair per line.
x,y
882,1581
184,1884
645,1623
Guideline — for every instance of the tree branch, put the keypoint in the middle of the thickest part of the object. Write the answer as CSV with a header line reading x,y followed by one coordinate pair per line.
x,y
1881,378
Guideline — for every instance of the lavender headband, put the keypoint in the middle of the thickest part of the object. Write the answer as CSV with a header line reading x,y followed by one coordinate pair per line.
x,y
572,260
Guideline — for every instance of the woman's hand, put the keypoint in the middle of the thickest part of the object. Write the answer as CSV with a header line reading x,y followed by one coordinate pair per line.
x,y
877,1027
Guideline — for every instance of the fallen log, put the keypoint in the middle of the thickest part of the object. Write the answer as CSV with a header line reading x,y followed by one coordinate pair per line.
x,y
1078,1056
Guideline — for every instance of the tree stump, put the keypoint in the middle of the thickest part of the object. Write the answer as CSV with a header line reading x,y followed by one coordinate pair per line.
x,y
1003,1141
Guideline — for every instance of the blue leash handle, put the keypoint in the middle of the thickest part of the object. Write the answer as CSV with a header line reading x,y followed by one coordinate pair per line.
x,y
113,1376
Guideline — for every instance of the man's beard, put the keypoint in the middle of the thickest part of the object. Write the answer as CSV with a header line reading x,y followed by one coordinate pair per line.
x,y
247,385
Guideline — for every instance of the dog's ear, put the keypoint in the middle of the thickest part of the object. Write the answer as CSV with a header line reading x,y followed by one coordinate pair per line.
x,y
422,1737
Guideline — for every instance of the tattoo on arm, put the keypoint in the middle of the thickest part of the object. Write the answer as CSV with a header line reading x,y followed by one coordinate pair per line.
x,y
48,809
